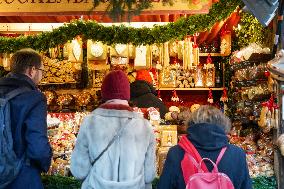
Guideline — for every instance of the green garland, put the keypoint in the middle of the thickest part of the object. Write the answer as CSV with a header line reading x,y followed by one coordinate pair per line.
x,y
252,31
122,34
60,182
117,8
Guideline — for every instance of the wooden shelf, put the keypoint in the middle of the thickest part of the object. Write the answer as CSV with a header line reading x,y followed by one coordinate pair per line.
x,y
182,89
191,89
41,84
212,54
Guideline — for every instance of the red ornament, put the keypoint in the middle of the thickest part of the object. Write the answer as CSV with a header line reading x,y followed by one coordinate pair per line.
x,y
209,60
270,103
210,97
267,73
224,97
224,30
175,97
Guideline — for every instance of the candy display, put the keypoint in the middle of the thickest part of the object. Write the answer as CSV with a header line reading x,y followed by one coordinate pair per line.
x,y
62,131
255,109
259,153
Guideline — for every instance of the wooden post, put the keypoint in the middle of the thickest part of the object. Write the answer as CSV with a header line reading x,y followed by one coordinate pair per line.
x,y
278,158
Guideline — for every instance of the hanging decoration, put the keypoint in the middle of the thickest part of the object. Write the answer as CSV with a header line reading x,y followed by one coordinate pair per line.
x,y
159,95
209,72
224,97
120,48
225,47
76,49
175,97
122,34
195,50
210,97
96,50
269,115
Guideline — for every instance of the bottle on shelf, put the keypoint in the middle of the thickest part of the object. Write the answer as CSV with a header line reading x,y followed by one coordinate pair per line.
x,y
218,75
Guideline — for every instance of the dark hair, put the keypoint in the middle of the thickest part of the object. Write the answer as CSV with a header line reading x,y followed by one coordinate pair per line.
x,y
23,59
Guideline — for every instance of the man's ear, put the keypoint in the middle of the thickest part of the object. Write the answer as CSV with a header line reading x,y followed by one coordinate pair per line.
x,y
31,71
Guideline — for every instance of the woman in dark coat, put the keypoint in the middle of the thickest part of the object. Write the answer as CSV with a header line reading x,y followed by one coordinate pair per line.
x,y
207,133
144,95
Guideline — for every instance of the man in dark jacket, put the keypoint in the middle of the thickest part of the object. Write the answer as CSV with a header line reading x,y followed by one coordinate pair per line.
x,y
144,95
207,134
28,119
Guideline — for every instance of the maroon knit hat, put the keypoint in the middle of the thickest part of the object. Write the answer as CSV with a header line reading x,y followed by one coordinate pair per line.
x,y
115,86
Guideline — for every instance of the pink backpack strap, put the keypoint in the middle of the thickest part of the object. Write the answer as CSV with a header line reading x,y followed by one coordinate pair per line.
x,y
222,152
194,162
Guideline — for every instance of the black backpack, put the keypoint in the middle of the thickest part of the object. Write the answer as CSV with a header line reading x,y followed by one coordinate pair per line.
x,y
10,164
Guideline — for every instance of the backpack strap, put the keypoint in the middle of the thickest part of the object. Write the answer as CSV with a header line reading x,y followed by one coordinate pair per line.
x,y
16,92
222,152
194,162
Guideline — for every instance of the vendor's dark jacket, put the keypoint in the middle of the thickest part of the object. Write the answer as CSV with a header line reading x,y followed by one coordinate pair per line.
x,y
208,140
29,131
143,95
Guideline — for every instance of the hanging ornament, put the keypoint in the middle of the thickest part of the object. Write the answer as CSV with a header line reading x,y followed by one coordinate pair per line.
x,y
175,97
96,50
154,75
120,48
209,72
225,46
159,95
195,50
76,49
269,115
224,97
210,97
266,73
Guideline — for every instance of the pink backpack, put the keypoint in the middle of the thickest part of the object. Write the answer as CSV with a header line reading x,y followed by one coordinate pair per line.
x,y
209,180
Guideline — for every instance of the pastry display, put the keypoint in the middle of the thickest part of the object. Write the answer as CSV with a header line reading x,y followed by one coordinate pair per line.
x,y
50,97
65,99
59,71
83,99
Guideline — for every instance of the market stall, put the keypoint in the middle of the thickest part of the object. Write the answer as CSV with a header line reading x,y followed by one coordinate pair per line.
x,y
190,62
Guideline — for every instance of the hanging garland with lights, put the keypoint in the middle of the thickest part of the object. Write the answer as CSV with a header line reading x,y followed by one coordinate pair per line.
x,y
250,31
122,34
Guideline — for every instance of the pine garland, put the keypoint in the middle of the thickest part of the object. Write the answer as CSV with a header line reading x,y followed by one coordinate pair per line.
x,y
122,34
251,31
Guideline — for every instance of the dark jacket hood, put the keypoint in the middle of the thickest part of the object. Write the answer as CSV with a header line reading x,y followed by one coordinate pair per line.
x,y
13,80
140,87
207,136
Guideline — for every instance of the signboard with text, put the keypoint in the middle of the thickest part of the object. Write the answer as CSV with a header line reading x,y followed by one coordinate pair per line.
x,y
79,7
